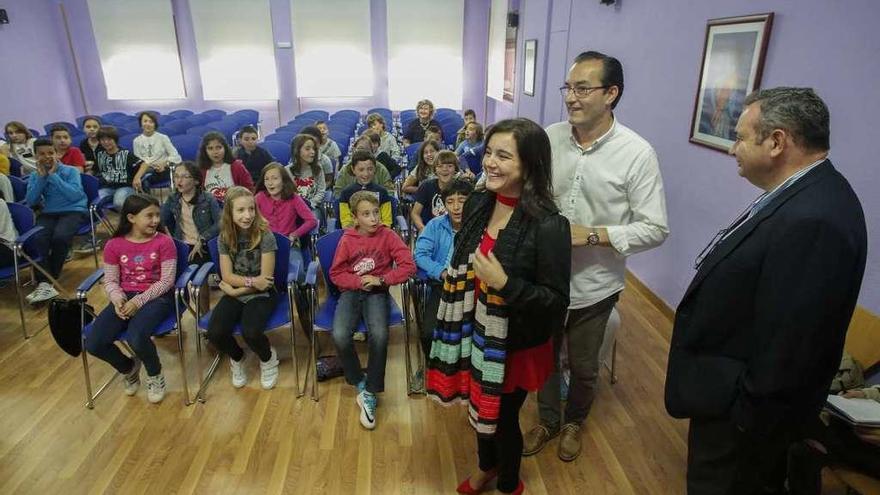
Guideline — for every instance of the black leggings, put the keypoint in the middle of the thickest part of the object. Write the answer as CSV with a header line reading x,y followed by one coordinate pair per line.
x,y
504,450
254,315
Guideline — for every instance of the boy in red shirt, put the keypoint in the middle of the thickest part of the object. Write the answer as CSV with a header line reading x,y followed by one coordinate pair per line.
x,y
68,155
369,259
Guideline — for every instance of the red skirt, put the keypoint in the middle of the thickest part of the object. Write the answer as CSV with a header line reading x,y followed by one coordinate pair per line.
x,y
528,369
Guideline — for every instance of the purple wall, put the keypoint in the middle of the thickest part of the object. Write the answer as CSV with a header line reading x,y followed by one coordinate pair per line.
x,y
35,81
39,26
826,45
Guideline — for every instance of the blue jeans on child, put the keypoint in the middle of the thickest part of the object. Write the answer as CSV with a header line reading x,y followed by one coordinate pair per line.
x,y
139,328
119,194
55,240
374,308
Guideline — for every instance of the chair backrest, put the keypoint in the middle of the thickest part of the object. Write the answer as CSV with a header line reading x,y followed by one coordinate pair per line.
x,y
315,114
90,186
198,119
22,217
279,150
346,113
411,151
176,127
282,259
326,248
14,167
199,130
187,145
127,141
181,114
35,133
226,127
283,137
182,256
247,117
474,159
19,188
214,114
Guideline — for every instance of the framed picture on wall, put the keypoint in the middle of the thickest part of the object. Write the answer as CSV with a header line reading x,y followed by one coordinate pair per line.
x,y
531,54
733,61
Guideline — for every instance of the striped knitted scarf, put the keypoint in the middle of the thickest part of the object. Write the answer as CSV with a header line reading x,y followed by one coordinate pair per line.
x,y
469,349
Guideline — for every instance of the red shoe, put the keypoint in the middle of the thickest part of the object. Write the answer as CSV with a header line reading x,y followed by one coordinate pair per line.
x,y
520,488
466,488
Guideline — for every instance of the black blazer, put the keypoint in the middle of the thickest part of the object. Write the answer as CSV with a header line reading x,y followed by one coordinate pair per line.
x,y
536,255
759,332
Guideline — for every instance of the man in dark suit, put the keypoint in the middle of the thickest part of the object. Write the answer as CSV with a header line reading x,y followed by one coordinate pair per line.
x,y
759,332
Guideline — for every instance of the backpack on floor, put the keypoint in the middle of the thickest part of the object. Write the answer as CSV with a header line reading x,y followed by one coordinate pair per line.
x,y
66,325
329,367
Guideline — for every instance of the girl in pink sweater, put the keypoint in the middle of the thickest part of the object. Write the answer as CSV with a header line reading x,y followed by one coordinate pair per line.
x,y
140,265
284,209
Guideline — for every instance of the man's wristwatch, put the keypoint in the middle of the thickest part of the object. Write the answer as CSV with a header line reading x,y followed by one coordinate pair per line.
x,y
593,238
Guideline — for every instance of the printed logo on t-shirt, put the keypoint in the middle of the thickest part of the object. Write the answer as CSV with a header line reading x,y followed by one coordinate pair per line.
x,y
364,266
438,207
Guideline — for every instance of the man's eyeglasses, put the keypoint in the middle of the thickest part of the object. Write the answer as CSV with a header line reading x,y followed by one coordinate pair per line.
x,y
580,91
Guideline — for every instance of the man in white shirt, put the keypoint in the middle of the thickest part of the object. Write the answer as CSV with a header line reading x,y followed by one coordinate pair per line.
x,y
607,183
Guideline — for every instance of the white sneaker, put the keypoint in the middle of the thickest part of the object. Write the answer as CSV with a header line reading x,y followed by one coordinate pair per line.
x,y
156,388
367,402
269,371
43,292
239,375
359,337
132,380
85,247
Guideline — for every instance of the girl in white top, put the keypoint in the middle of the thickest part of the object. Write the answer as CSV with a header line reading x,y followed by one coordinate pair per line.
x,y
21,146
155,148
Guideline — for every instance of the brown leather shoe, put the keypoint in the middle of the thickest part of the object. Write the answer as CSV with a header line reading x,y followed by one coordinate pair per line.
x,y
536,439
570,442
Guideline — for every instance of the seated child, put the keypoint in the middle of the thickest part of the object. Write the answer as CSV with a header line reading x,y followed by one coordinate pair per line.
x,y
8,235
368,142
57,189
307,172
287,213
473,138
363,166
329,148
369,259
253,156
155,148
460,135
247,264
387,142
119,170
423,169
190,214
220,169
428,200
90,144
21,146
67,154
434,250
140,266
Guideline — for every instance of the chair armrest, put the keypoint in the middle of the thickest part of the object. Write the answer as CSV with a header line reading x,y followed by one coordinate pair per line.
x,y
331,224
86,285
24,238
401,223
202,273
186,276
312,273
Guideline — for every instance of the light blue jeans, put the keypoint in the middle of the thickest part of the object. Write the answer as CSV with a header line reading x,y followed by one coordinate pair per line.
x,y
119,194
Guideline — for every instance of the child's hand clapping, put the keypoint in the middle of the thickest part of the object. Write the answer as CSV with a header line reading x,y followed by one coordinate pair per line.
x,y
370,281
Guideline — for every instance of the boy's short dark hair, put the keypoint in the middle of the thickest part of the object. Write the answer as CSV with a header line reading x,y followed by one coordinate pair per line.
x,y
361,156
435,129
58,128
457,186
319,122
43,142
91,117
312,130
470,112
108,131
248,129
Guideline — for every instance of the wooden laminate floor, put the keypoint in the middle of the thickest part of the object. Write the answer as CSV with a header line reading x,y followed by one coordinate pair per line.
x,y
253,441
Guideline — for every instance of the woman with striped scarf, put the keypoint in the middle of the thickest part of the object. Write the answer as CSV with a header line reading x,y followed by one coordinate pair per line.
x,y
505,294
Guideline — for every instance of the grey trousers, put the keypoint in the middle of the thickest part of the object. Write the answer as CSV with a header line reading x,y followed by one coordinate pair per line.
x,y
584,331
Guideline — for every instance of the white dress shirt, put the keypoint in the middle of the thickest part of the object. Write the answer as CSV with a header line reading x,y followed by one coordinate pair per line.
x,y
615,184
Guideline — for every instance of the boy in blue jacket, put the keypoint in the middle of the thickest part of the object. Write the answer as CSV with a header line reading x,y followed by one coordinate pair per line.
x,y
57,190
434,250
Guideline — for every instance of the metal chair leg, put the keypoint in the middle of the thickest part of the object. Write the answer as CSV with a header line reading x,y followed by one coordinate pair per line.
x,y
18,293
180,349
292,331
313,357
404,298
